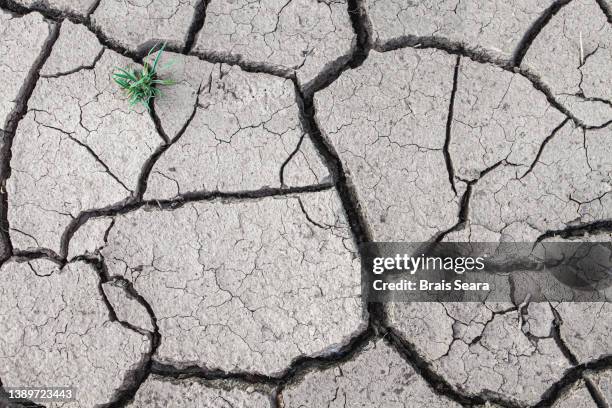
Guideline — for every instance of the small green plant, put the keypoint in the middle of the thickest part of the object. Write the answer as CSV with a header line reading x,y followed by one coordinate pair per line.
x,y
141,85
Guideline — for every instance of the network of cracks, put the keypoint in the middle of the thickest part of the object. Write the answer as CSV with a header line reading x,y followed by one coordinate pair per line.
x,y
205,252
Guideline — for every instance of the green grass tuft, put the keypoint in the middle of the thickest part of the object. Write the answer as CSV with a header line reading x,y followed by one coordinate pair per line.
x,y
141,85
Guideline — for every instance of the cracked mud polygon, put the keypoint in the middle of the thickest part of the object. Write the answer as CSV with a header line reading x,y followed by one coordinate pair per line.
x,y
206,252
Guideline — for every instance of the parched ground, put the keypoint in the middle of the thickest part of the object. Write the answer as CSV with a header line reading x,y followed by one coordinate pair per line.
x,y
205,253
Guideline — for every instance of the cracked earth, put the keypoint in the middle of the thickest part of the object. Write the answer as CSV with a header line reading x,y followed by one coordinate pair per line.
x,y
205,253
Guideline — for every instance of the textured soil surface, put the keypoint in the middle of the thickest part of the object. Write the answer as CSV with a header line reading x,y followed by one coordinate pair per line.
x,y
205,252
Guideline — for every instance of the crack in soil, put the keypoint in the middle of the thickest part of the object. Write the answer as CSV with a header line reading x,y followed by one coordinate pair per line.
x,y
10,128
535,29
449,124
